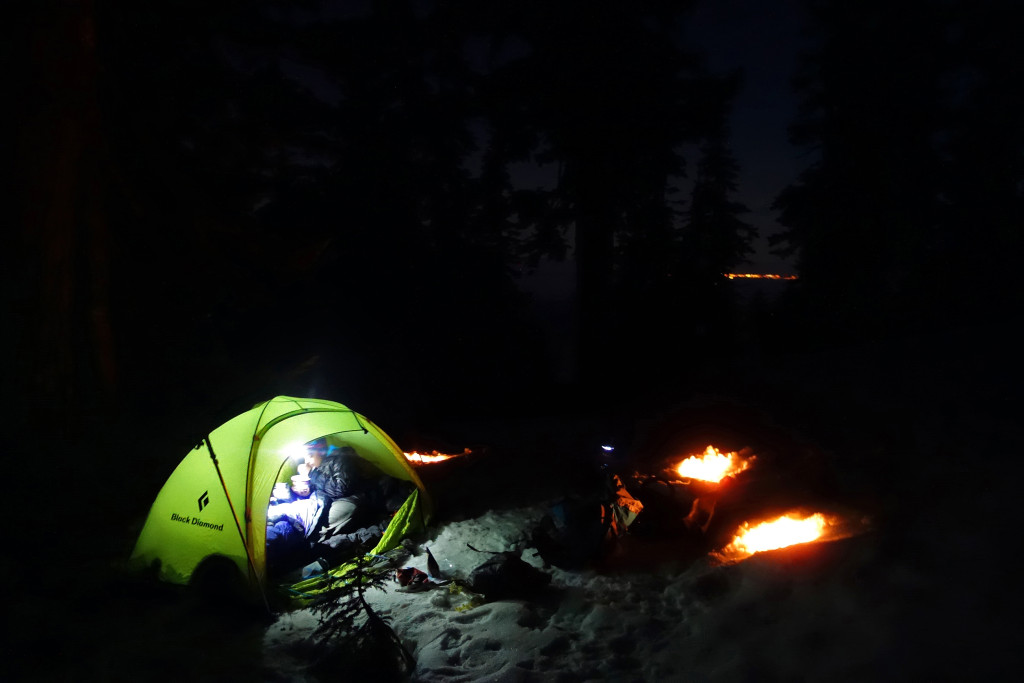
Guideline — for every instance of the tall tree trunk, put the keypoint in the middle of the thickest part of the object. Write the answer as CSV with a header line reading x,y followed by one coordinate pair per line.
x,y
595,222
67,333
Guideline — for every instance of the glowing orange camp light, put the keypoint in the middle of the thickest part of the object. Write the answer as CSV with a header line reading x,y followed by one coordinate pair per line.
x,y
417,458
759,276
712,465
782,532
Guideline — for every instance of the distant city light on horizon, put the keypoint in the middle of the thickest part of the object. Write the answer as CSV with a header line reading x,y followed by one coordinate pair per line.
x,y
759,276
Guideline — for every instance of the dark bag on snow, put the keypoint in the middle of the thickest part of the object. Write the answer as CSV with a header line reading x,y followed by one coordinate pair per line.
x,y
572,534
507,575
577,531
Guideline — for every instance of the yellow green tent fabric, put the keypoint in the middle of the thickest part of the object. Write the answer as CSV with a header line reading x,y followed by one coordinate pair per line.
x,y
215,501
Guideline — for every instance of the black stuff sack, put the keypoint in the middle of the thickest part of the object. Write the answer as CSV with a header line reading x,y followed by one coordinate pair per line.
x,y
507,576
572,535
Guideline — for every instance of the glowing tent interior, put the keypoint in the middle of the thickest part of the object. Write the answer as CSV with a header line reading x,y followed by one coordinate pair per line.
x,y
213,507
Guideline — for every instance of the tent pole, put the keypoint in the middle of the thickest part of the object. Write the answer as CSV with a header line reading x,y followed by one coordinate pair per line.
x,y
238,525
355,415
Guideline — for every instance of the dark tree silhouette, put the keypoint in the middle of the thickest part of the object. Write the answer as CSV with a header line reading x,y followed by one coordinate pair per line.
x,y
203,123
611,98
320,168
63,355
715,239
979,236
429,234
318,198
914,122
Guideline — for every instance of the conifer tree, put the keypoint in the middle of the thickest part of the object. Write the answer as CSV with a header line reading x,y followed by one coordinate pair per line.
x,y
605,94
351,635
861,218
715,241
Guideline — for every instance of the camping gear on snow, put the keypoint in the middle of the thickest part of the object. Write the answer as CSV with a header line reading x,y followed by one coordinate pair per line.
x,y
578,530
505,576
213,507
413,580
432,566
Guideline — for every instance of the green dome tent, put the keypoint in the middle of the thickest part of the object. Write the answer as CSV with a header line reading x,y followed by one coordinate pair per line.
x,y
214,504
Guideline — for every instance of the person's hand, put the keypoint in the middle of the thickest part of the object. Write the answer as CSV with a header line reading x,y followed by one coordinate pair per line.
x,y
303,469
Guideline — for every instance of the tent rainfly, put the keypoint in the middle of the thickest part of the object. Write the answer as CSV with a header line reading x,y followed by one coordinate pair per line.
x,y
214,504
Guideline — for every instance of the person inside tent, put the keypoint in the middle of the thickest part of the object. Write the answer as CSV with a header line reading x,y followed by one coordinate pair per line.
x,y
292,517
359,501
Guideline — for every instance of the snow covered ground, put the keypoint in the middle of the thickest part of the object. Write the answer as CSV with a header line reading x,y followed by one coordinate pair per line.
x,y
929,450
921,438
792,616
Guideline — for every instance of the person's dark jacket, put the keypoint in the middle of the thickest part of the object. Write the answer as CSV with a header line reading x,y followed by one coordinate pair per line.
x,y
343,474
338,475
